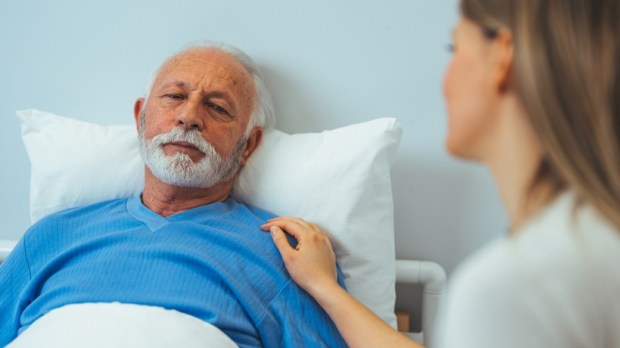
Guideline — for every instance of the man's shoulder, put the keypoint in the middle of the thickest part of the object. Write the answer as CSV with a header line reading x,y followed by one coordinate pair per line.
x,y
89,208
75,214
57,230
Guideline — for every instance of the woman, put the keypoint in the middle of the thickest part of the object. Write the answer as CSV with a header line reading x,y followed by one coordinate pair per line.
x,y
533,92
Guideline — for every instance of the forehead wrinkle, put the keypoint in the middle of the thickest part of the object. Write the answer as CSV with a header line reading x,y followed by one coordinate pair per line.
x,y
204,68
176,83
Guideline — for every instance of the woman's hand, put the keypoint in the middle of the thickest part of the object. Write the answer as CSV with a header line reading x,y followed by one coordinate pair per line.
x,y
312,264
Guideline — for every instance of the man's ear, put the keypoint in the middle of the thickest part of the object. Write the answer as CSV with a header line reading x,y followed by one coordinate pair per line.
x,y
137,110
254,139
504,55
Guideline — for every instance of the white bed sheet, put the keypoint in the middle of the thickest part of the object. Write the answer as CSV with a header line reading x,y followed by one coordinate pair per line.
x,y
116,324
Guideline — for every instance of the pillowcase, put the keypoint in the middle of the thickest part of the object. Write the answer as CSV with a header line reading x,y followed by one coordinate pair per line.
x,y
338,179
75,163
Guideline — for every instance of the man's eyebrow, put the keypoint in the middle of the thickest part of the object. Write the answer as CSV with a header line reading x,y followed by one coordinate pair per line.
x,y
209,94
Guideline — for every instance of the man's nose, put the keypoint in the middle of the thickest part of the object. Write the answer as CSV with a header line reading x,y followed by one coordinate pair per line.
x,y
190,117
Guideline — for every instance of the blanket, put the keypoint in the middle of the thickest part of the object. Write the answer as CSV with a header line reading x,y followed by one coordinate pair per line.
x,y
120,325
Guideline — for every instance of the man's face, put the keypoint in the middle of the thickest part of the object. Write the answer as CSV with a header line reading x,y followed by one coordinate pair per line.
x,y
179,169
192,125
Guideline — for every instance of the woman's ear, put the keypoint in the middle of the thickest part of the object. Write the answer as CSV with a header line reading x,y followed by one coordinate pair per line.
x,y
504,58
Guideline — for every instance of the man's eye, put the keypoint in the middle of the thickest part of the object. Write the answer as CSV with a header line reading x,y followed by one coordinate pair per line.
x,y
173,96
217,108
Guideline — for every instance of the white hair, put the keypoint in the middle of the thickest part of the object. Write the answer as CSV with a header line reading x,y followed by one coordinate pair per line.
x,y
263,114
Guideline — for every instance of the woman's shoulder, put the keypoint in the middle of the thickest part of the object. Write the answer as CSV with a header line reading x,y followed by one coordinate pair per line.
x,y
565,241
494,268
552,273
484,292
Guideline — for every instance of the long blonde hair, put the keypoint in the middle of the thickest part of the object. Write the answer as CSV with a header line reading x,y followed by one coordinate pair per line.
x,y
567,73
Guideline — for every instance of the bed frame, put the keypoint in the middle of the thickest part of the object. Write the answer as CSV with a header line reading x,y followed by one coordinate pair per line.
x,y
432,278
429,275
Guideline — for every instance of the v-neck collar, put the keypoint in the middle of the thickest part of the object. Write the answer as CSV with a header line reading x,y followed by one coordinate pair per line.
x,y
154,221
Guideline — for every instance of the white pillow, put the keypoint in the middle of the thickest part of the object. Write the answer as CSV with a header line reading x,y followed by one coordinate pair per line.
x,y
339,179
75,163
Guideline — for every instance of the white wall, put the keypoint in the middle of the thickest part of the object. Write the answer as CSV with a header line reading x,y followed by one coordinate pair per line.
x,y
329,63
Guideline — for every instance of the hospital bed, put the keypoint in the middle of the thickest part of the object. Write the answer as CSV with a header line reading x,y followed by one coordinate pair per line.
x,y
339,179
429,275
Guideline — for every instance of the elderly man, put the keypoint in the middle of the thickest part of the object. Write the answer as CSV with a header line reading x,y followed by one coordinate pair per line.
x,y
184,244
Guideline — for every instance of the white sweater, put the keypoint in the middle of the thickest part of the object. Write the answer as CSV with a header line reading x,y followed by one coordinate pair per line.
x,y
554,283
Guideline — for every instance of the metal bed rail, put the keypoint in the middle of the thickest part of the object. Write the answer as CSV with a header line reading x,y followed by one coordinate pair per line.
x,y
432,277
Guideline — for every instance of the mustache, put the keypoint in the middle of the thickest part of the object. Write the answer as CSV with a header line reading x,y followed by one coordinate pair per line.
x,y
178,134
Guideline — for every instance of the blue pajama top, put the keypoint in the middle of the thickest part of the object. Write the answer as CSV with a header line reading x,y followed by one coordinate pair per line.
x,y
211,262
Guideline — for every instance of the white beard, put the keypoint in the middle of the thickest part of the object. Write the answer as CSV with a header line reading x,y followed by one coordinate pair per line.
x,y
179,169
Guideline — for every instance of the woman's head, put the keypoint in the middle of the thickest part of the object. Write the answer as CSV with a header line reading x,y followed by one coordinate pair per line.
x,y
565,71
